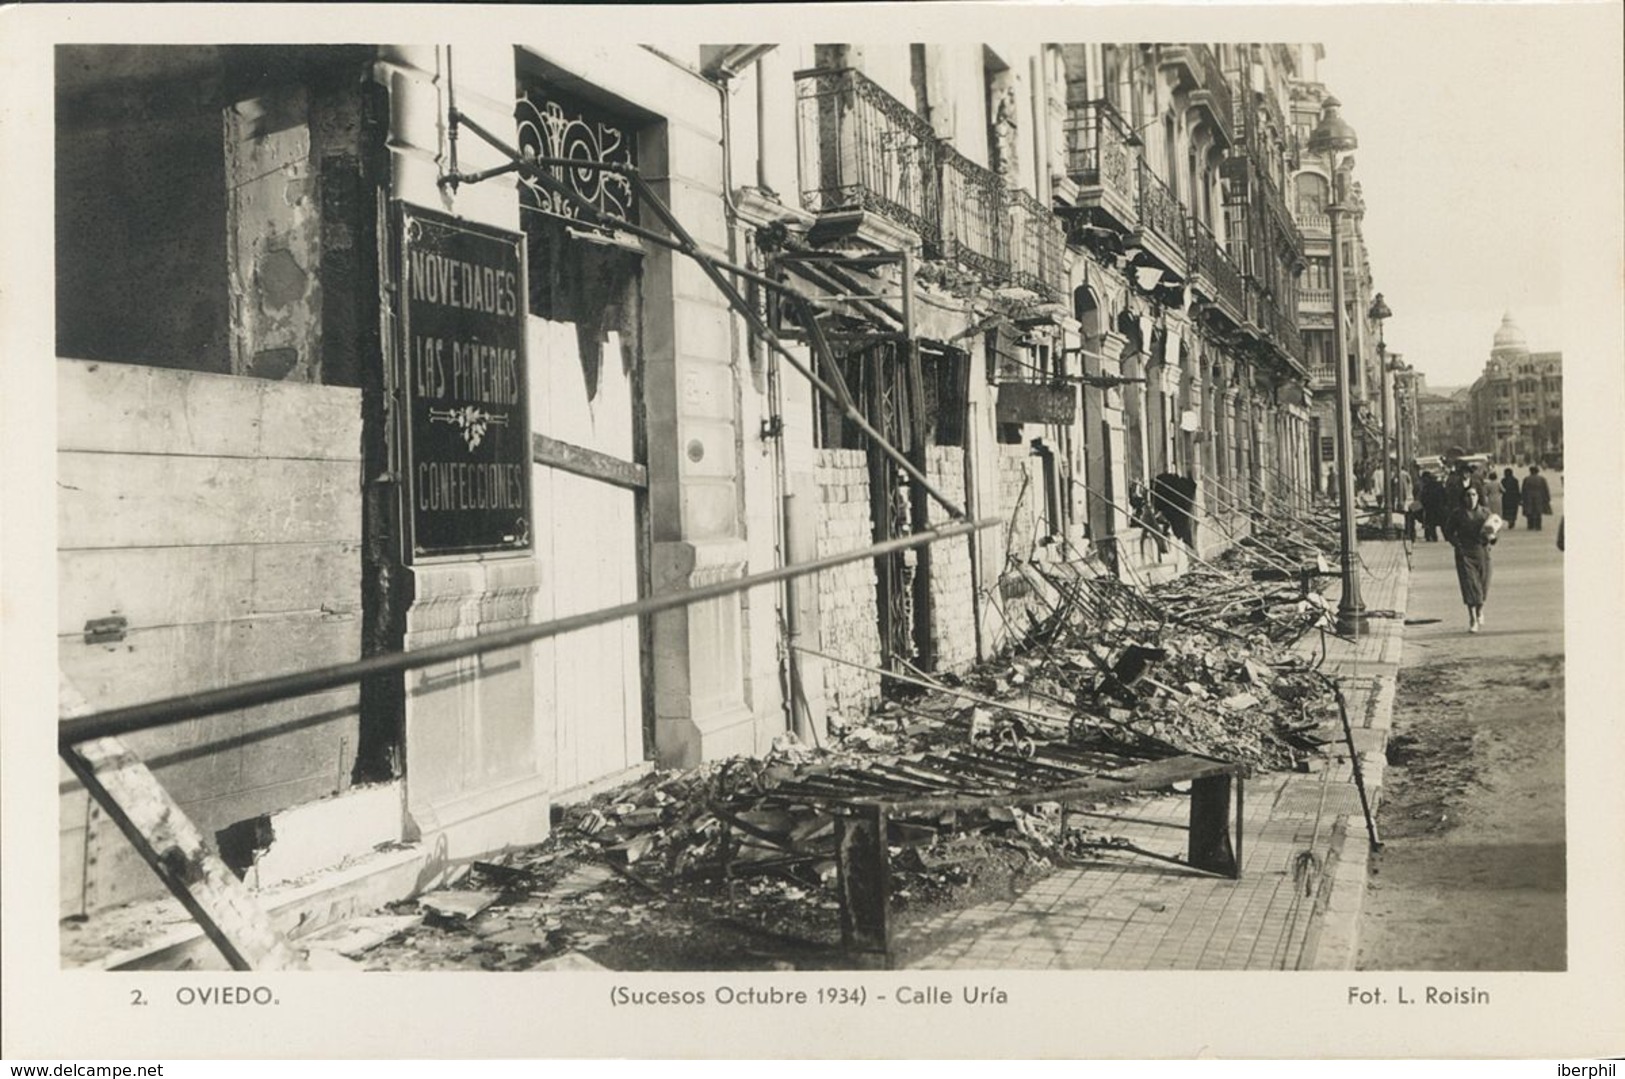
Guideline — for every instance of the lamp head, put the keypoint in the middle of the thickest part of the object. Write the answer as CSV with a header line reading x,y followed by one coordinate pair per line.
x,y
1332,135
1379,308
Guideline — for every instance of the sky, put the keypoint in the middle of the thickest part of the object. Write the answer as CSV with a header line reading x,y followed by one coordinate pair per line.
x,y
1465,162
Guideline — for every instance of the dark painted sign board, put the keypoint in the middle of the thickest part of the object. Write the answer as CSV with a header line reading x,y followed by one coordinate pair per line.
x,y
463,385
1033,402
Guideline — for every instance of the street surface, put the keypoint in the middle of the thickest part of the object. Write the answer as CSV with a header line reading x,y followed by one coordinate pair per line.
x,y
1472,874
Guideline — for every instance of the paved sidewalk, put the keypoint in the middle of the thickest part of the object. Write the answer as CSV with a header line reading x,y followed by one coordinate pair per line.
x,y
1297,904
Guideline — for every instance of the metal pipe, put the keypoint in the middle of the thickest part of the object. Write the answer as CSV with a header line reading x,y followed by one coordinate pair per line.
x,y
136,717
686,244
451,119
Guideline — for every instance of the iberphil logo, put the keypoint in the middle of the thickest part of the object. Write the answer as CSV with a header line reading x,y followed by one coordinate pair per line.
x,y
473,421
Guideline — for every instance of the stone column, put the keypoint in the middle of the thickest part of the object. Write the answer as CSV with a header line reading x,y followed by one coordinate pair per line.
x,y
695,472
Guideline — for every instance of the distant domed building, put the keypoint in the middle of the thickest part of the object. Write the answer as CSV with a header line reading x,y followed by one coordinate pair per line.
x,y
1509,339
1517,404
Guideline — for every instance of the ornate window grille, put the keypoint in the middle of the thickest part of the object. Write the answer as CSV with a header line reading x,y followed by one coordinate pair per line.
x,y
553,125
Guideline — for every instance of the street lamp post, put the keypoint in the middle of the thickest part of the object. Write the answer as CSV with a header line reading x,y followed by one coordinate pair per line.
x,y
1333,137
1379,313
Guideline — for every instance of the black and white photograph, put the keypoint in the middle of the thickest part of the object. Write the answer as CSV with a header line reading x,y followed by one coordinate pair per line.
x,y
1014,514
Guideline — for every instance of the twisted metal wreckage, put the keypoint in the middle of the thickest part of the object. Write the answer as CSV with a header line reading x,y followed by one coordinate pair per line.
x,y
1069,761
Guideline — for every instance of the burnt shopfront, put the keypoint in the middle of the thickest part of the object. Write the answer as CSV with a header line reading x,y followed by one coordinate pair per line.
x,y
335,386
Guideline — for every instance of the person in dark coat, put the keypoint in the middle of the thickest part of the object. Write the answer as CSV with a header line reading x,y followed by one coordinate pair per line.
x,y
1537,498
1462,476
1468,532
1511,495
1433,507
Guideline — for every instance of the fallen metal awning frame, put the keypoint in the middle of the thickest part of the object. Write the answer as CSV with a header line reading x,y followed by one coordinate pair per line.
x,y
865,801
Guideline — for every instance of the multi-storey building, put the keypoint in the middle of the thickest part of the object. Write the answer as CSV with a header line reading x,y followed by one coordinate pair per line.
x,y
1516,405
1444,420
409,345
1315,186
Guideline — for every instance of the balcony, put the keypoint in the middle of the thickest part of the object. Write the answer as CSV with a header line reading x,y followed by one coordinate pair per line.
x,y
1101,161
1280,330
1214,275
1315,301
862,150
1181,61
1213,95
974,218
1313,221
1037,247
1268,196
1161,221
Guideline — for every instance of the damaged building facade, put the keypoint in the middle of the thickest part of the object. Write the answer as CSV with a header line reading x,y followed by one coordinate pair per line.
x,y
344,372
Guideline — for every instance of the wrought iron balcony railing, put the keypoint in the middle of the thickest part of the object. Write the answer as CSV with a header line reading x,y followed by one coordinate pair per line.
x,y
1160,211
1212,265
1037,246
862,149
1276,324
1267,195
1216,88
974,205
1101,158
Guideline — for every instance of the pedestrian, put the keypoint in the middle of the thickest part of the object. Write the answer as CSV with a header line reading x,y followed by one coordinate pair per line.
x,y
1489,488
1461,477
1471,533
1511,496
1536,500
1405,496
1433,507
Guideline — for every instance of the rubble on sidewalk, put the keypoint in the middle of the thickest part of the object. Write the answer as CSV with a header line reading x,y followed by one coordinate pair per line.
x,y
1114,676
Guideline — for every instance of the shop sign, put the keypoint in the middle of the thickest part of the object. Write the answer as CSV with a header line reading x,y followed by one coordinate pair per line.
x,y
463,386
1034,402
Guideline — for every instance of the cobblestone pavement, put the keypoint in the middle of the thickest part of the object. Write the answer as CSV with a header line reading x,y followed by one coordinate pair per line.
x,y
1304,851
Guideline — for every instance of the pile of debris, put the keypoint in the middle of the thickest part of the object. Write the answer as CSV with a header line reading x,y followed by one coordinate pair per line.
x,y
1116,676
661,874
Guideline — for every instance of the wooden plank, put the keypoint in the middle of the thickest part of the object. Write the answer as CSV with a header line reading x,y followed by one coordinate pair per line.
x,y
150,664
169,586
1141,777
119,500
171,844
591,464
131,408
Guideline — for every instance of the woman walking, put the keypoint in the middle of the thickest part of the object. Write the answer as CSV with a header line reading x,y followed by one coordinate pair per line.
x,y
1510,496
1469,531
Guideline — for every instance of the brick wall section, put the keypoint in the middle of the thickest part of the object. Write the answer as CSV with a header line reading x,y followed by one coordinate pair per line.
x,y
849,625
953,608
